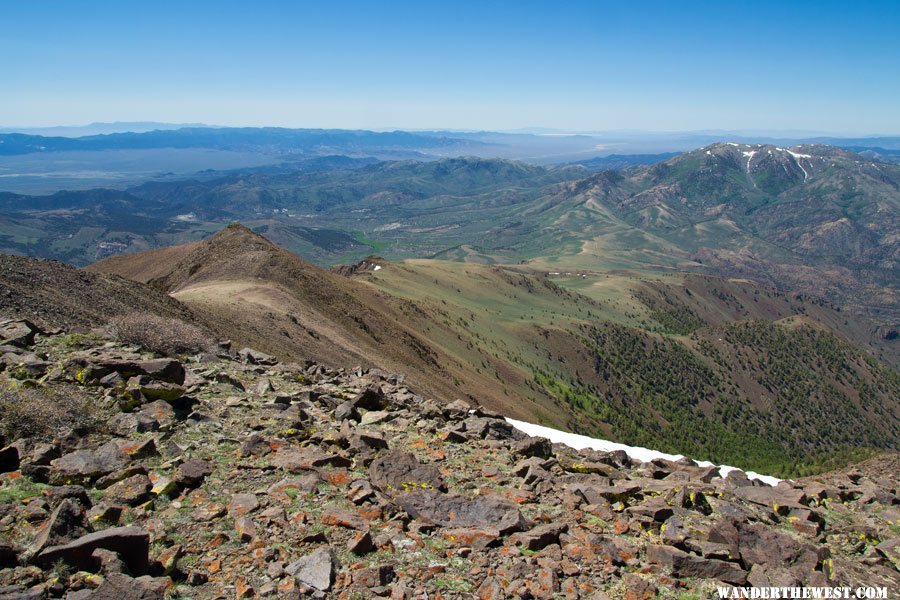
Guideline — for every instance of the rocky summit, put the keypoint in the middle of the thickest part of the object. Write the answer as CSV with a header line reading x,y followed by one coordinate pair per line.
x,y
230,474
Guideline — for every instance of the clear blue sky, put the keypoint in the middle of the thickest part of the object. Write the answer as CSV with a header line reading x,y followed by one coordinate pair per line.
x,y
593,65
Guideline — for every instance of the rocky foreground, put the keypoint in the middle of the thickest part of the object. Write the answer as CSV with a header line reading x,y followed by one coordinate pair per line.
x,y
230,474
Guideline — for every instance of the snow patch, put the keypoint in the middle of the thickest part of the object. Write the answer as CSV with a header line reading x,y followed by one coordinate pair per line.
x,y
749,156
797,158
580,442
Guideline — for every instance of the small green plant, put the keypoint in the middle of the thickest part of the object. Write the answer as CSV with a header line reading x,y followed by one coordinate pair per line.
x,y
18,490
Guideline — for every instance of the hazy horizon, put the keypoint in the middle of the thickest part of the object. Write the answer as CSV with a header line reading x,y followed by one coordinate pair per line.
x,y
145,125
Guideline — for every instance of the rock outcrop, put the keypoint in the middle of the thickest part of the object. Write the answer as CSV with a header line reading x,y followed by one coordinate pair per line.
x,y
346,483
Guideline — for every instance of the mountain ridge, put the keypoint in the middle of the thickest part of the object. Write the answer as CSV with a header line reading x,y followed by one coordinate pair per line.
x,y
524,345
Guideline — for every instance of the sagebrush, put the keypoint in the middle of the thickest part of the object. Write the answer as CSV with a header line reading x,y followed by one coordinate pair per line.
x,y
43,413
162,335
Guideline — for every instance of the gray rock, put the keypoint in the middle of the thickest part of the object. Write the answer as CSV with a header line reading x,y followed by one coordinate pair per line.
x,y
17,333
82,465
255,357
316,570
192,472
533,446
306,459
346,412
132,490
453,510
374,417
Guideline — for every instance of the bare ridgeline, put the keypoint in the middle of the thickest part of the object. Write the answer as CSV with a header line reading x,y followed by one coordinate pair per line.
x,y
218,473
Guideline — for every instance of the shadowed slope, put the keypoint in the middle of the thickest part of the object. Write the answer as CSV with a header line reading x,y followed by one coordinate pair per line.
x,y
53,294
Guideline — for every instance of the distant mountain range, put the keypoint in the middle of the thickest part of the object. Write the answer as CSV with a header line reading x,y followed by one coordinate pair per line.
x,y
120,155
99,128
265,139
814,218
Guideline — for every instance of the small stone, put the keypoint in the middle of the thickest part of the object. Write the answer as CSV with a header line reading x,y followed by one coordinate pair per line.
x,y
246,528
191,473
361,543
342,518
373,417
638,588
130,491
242,504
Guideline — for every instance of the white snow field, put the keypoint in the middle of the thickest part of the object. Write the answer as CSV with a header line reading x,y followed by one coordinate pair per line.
x,y
579,442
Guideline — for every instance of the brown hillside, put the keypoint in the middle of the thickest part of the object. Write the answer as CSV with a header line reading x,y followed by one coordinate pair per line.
x,y
264,296
55,295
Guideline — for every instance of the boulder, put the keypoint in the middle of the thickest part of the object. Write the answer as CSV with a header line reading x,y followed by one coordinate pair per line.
x,y
533,446
757,544
684,564
65,523
361,543
160,390
346,412
118,586
191,473
373,417
371,398
638,588
338,517
255,445
17,333
132,544
396,472
540,537
476,427
85,465
453,510
307,459
372,577
9,459
242,504
156,369
131,491
458,409
599,494
255,357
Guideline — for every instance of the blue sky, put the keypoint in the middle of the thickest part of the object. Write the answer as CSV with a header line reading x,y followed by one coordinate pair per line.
x,y
594,65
